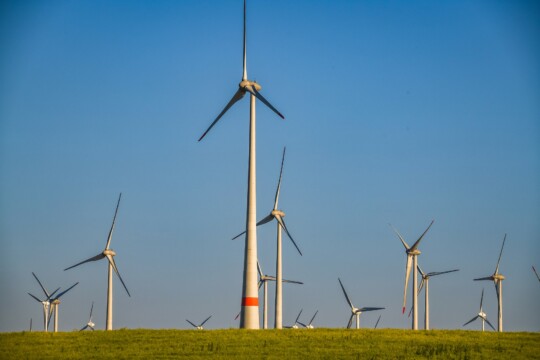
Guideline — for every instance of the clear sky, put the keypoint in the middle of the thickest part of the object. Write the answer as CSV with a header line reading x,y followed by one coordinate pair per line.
x,y
396,112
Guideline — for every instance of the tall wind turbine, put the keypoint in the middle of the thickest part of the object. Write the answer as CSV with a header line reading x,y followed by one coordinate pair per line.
x,y
263,281
249,318
425,281
109,254
412,259
55,301
481,315
46,303
354,310
497,280
89,324
200,326
278,215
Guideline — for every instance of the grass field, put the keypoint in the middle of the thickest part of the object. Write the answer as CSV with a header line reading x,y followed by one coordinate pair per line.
x,y
271,344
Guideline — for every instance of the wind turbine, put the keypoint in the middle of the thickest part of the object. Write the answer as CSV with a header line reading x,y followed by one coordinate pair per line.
x,y
295,325
263,281
497,280
250,301
538,277
278,215
377,323
199,327
89,324
309,326
354,310
45,302
412,257
109,254
425,281
55,301
481,315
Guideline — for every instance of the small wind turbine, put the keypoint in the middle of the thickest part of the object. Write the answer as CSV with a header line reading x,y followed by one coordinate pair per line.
x,y
89,324
295,325
497,280
538,277
250,301
109,254
425,281
278,215
354,310
310,325
55,301
199,327
377,323
412,258
46,303
263,280
481,315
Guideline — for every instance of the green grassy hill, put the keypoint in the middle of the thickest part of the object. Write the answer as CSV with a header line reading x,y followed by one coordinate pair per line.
x,y
244,344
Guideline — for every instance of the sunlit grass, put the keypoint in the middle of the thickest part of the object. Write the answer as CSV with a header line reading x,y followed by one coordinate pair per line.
x,y
244,344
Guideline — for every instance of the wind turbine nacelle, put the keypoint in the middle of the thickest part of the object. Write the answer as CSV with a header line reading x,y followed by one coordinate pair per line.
x,y
278,212
109,252
498,277
91,324
55,302
245,83
414,252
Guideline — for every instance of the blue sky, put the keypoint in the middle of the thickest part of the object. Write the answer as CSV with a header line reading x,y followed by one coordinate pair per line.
x,y
396,111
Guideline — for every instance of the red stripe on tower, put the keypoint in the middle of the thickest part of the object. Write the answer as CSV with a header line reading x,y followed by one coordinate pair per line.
x,y
250,301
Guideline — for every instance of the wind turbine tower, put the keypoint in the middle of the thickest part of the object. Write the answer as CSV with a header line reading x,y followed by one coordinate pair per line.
x,y
412,259
249,315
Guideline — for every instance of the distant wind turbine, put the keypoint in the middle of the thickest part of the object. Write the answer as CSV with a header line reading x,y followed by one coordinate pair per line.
x,y
295,325
425,281
497,280
481,315
55,301
109,254
263,281
249,318
310,324
278,215
412,259
354,310
199,327
89,324
46,303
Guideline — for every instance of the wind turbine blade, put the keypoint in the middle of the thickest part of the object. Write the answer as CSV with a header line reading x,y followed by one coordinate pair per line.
x,y
34,297
52,294
94,258
111,261
410,312
490,324
313,318
500,254
237,96
279,182
260,284
237,236
484,278
441,272
377,323
407,274
481,299
41,285
258,95
400,237
415,245
298,317
84,328
292,281
91,308
345,293
421,285
244,74
204,322
350,321
538,277
259,269
470,321
282,224
65,291
271,278
192,324
304,325
91,327
266,219
236,317
113,222
420,270
364,309
497,290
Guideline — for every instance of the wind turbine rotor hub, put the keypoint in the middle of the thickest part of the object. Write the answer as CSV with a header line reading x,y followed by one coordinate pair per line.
x,y
109,252
278,212
253,84
498,277
414,252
